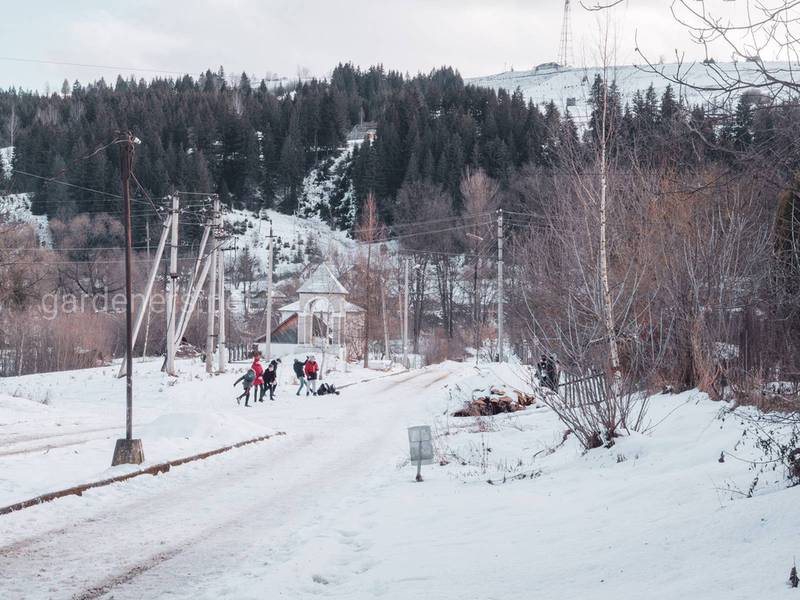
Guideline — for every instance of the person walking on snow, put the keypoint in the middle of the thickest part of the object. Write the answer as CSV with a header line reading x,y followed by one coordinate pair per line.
x,y
300,373
259,381
247,382
311,370
271,378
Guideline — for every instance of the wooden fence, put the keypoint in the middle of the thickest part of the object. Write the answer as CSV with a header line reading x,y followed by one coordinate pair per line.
x,y
583,389
239,352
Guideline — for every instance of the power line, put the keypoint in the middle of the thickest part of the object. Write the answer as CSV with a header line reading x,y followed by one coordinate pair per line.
x,y
90,66
72,185
419,233
405,224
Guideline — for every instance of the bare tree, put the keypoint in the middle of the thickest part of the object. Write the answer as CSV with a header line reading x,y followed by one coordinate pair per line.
x,y
480,201
12,125
369,232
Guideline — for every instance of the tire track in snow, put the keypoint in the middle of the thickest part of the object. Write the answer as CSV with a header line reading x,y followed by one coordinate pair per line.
x,y
48,551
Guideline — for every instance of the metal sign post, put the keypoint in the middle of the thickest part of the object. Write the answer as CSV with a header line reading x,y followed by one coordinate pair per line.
x,y
420,442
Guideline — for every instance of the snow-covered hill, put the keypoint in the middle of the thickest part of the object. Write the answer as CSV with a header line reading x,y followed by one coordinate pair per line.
x,y
566,86
6,159
16,208
328,191
297,240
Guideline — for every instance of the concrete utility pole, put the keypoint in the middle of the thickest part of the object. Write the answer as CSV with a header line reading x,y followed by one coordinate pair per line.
x,y
223,353
147,296
212,290
500,285
128,450
405,318
149,288
194,282
268,335
172,284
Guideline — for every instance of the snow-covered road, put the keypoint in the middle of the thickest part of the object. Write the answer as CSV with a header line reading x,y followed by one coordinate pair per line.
x,y
233,525
330,510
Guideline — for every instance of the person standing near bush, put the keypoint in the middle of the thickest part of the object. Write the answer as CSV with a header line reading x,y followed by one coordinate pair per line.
x,y
553,374
311,370
300,373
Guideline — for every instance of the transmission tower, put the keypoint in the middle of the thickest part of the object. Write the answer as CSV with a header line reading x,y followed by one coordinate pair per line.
x,y
565,48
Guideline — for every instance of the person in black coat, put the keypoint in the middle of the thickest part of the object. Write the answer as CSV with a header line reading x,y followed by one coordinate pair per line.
x,y
271,377
300,372
542,372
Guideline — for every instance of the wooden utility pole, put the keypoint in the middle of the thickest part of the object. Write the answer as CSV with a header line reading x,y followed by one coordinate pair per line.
x,y
172,283
212,289
500,285
268,334
128,450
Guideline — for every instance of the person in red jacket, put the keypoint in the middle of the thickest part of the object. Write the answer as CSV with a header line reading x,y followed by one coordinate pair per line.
x,y
258,383
311,370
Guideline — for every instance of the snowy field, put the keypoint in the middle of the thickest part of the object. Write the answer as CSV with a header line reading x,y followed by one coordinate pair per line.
x,y
331,509
576,83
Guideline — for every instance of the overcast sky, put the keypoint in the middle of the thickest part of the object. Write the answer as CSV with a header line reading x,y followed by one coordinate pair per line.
x,y
478,37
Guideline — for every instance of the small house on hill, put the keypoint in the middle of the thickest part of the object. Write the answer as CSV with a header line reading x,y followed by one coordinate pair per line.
x,y
365,130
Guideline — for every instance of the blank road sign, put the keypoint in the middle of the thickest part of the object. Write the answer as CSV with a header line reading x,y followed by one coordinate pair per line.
x,y
420,442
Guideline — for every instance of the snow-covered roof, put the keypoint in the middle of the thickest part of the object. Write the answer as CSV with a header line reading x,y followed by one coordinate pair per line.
x,y
322,281
290,308
294,307
360,130
349,307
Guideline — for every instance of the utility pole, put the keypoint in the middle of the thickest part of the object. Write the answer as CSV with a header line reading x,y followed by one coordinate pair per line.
x,y
195,283
268,335
366,312
148,290
223,353
128,450
172,303
500,285
212,290
405,318
147,299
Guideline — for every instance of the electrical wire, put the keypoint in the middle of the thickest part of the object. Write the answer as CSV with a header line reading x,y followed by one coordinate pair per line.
x,y
90,66
65,183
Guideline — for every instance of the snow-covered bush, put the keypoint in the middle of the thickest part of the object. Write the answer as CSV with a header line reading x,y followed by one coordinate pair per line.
x,y
601,414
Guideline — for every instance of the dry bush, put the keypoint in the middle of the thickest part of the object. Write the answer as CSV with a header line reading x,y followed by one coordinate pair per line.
x,y
601,415
36,344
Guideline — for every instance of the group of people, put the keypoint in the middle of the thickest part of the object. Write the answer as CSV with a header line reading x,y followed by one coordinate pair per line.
x,y
307,374
261,379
